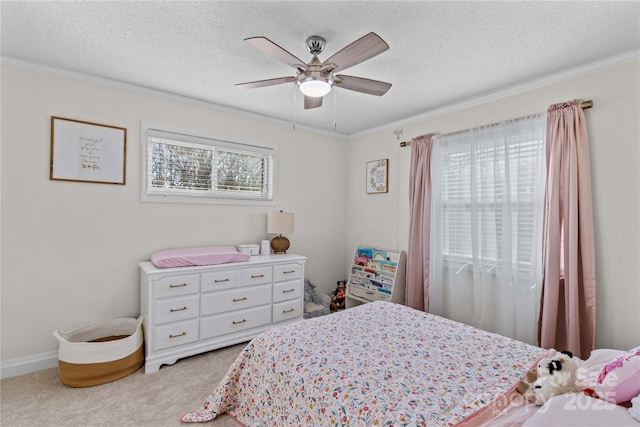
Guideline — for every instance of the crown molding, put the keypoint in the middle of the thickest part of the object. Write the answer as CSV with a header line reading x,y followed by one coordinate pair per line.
x,y
115,84
508,91
445,109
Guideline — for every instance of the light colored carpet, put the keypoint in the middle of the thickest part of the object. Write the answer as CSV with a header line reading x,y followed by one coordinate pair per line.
x,y
156,399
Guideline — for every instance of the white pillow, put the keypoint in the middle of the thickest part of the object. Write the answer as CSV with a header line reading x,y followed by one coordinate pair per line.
x,y
580,410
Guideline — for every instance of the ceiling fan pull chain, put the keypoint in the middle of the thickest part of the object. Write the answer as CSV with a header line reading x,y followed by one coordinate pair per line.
x,y
335,103
295,90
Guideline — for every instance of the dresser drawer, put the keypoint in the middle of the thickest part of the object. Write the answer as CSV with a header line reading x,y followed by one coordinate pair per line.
x,y
257,276
287,272
214,326
287,290
287,310
218,280
174,309
175,334
176,285
235,299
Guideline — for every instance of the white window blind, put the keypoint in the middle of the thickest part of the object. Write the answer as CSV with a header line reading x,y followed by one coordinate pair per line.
x,y
182,167
179,166
489,192
239,173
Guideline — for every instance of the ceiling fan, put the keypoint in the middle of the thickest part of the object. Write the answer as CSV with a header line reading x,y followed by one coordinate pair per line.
x,y
315,79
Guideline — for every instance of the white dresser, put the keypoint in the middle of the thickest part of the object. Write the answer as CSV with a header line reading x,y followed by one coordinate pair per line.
x,y
190,310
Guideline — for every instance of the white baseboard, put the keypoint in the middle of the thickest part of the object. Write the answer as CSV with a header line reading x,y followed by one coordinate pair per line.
x,y
29,364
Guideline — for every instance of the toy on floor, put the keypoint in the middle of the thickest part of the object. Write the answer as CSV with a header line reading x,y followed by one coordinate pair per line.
x,y
315,303
338,298
554,376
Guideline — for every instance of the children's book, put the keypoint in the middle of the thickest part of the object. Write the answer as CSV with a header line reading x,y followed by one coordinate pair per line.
x,y
365,252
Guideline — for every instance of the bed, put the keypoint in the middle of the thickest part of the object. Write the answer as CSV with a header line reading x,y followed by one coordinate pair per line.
x,y
384,364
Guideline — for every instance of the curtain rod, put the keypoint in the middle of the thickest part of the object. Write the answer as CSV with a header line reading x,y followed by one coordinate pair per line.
x,y
585,105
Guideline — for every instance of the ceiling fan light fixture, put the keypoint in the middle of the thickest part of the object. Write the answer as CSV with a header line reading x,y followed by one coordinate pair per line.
x,y
314,87
316,78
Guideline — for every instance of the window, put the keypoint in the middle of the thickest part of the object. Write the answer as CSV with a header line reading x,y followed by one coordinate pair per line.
x,y
183,167
490,190
487,204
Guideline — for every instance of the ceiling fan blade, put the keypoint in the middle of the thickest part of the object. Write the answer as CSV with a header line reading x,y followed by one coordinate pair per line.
x,y
268,82
359,51
312,102
273,50
359,84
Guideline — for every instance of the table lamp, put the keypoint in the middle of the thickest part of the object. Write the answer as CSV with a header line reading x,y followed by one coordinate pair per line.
x,y
280,223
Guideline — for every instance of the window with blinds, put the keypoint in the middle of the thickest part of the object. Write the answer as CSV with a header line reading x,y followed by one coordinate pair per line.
x,y
182,167
489,192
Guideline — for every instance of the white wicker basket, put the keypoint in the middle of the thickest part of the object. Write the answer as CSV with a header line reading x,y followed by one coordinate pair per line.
x,y
100,352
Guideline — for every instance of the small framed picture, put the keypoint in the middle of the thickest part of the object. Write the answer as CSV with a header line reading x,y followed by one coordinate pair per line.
x,y
87,152
377,176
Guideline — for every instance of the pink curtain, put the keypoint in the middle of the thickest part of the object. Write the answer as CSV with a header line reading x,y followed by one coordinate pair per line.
x,y
417,290
567,310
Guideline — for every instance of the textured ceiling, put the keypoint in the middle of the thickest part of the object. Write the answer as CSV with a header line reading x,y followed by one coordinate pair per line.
x,y
440,52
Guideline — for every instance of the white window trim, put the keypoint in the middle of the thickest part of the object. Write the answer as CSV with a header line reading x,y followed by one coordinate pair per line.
x,y
216,140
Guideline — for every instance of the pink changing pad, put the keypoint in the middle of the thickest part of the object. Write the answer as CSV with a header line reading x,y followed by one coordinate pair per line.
x,y
186,257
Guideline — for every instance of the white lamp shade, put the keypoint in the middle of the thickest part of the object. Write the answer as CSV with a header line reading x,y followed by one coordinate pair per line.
x,y
315,88
280,223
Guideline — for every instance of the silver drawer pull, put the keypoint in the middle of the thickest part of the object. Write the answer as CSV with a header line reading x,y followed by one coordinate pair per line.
x,y
179,335
289,311
257,276
220,281
286,291
239,321
239,299
182,285
173,310
288,272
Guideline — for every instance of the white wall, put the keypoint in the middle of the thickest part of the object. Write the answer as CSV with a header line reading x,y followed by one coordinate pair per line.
x,y
70,250
614,132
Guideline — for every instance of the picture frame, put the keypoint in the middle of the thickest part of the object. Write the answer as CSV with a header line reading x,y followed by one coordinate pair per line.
x,y
377,176
87,152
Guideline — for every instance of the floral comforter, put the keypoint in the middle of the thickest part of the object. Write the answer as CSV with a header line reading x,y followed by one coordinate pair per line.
x,y
373,365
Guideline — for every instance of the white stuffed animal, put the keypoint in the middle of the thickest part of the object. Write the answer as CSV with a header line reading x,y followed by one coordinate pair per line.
x,y
555,375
